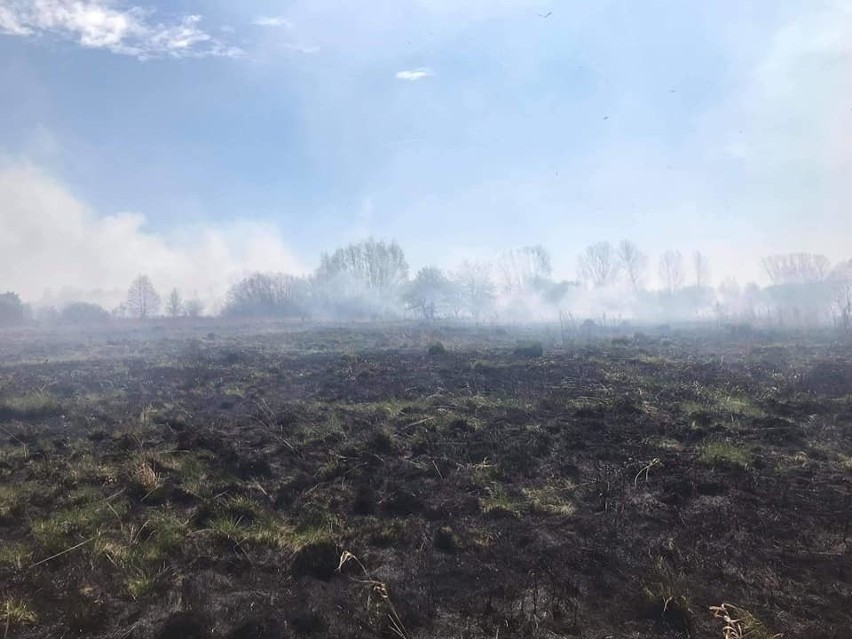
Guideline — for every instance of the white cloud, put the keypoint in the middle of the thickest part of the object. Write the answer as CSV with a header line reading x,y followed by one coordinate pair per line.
x,y
301,48
9,23
414,74
273,21
54,248
100,24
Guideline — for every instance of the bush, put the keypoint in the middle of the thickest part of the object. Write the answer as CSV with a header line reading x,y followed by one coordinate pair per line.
x,y
529,349
12,311
83,313
437,349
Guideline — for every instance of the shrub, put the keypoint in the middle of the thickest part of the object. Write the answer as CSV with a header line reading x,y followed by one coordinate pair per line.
x,y
529,349
437,349
83,313
12,310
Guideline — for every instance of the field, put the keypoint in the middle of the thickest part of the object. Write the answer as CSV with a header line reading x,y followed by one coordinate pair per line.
x,y
413,481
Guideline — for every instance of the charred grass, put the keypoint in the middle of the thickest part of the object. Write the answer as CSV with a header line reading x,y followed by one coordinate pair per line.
x,y
358,483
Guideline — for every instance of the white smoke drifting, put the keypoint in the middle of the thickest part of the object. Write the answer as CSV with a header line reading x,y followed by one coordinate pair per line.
x,y
51,245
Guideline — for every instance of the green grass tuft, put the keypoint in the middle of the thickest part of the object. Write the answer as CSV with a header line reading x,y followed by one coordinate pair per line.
x,y
725,453
29,406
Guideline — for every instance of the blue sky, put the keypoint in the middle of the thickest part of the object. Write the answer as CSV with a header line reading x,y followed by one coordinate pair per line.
x,y
460,128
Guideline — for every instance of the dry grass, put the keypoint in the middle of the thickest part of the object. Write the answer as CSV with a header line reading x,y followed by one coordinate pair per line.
x,y
146,478
379,603
740,623
15,612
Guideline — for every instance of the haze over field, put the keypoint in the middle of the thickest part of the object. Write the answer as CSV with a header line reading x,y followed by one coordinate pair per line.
x,y
199,142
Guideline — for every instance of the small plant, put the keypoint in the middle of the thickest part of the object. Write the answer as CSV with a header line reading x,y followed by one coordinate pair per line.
x,y
550,500
379,603
15,556
145,478
228,528
15,612
725,453
139,584
12,501
740,623
500,504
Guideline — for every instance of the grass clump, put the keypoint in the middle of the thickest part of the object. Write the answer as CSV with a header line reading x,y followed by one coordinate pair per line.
x,y
550,500
12,501
16,612
529,349
725,453
71,525
500,504
741,405
15,556
29,406
165,533
740,623
139,584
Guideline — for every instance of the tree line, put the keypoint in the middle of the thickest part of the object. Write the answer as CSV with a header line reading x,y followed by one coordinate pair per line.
x,y
370,279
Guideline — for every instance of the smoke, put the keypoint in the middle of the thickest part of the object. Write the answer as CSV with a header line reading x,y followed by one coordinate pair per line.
x,y
56,250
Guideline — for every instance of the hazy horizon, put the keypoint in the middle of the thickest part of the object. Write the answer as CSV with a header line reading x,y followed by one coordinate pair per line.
x,y
201,141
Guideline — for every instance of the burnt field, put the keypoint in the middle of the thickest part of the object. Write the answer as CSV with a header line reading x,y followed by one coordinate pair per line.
x,y
423,482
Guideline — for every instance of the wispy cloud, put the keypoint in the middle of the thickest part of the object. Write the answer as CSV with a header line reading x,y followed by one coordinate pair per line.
x,y
101,24
414,74
273,21
301,48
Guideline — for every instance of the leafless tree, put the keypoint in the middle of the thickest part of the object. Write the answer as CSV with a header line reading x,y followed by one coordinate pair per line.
x,y
633,262
599,265
142,299
702,269
797,268
193,308
430,293
265,295
842,272
843,305
523,268
671,270
475,288
174,304
379,265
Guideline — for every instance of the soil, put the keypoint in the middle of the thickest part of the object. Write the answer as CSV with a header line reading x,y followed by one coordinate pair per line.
x,y
232,481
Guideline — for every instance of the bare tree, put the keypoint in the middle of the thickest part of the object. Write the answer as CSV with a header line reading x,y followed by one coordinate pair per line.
x,y
842,272
599,265
702,269
475,288
174,304
633,262
671,270
266,295
142,299
379,265
797,268
843,305
430,293
193,308
521,269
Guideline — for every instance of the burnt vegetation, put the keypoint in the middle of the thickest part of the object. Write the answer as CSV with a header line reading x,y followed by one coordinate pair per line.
x,y
414,481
